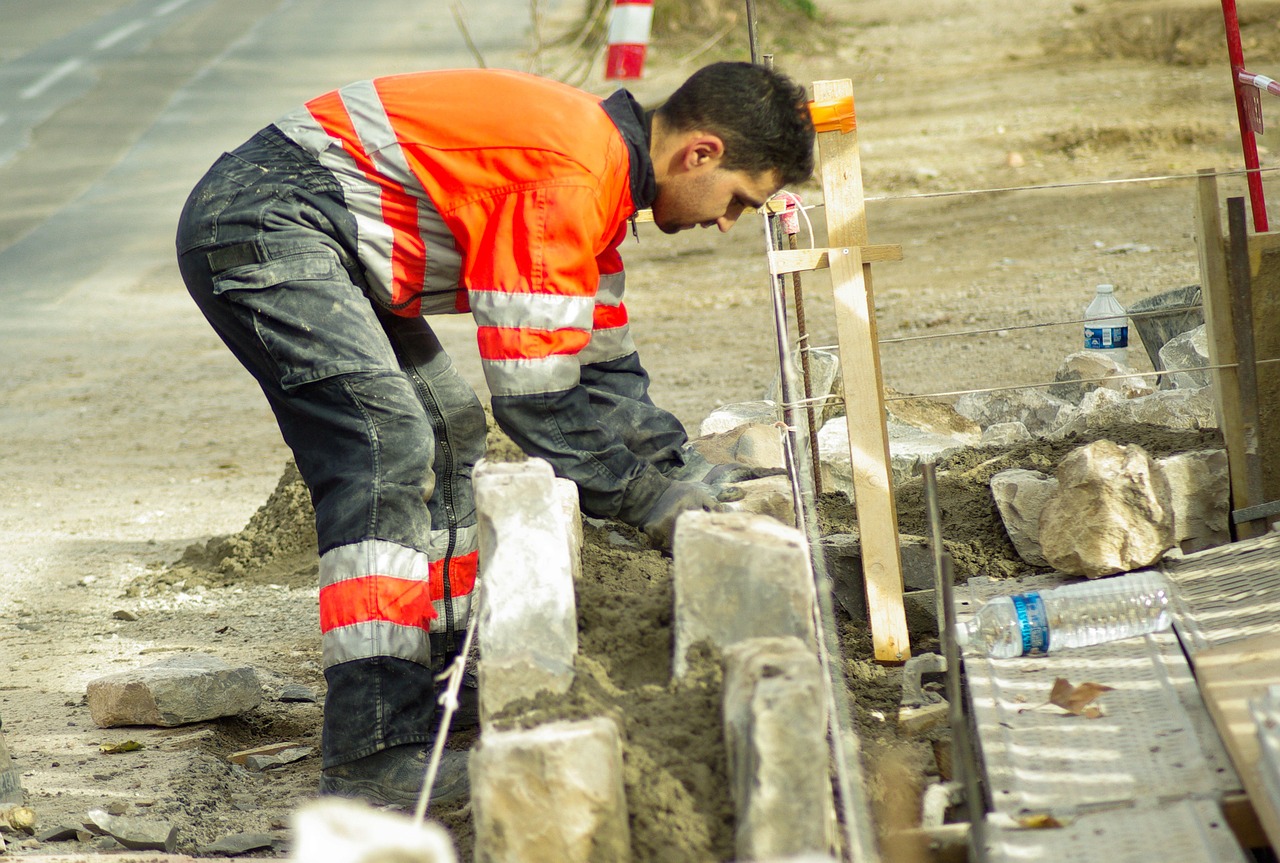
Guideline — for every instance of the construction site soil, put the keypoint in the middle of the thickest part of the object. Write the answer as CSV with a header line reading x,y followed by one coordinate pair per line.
x,y
181,533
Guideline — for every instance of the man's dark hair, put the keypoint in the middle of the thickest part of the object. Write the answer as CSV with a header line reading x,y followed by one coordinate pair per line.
x,y
761,115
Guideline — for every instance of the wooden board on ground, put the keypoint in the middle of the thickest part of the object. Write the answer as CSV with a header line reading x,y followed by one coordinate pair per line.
x,y
1229,676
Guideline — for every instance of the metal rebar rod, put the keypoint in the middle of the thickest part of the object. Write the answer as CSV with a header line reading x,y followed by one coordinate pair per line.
x,y
806,367
855,817
964,759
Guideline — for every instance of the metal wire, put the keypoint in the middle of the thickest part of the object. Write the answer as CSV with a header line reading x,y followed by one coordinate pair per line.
x,y
836,400
958,333
1080,183
859,843
449,702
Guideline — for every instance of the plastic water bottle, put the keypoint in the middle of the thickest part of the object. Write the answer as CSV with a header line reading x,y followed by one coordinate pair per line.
x,y
1106,326
1075,615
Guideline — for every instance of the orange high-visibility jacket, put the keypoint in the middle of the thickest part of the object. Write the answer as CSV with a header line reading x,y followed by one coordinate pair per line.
x,y
505,195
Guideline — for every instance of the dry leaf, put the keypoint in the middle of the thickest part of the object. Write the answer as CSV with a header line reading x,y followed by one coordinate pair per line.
x,y
1074,699
1043,821
114,748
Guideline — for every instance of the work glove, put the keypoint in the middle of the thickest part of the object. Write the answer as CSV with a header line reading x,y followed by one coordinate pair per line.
x,y
659,523
696,468
728,474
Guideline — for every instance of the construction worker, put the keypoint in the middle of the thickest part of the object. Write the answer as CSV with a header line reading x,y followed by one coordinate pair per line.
x,y
317,250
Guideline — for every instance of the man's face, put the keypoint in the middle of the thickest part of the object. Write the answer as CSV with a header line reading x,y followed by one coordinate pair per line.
x,y
709,195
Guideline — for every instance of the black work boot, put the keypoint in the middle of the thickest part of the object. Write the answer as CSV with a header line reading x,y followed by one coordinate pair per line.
x,y
468,713
394,776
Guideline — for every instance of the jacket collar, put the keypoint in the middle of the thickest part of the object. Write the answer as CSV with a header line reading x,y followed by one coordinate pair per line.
x,y
633,123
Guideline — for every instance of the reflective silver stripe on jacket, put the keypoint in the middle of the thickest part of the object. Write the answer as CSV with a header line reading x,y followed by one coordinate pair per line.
x,y
531,377
615,342
531,311
440,258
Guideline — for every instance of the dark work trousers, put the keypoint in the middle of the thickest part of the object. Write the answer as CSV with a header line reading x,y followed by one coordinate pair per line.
x,y
384,430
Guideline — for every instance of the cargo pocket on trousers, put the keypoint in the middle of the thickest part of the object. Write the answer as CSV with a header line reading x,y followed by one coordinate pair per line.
x,y
307,313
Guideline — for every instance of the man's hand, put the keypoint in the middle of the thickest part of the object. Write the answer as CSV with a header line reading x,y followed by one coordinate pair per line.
x,y
660,522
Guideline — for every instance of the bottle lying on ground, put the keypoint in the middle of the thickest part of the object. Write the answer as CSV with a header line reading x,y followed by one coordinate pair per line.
x,y
1074,615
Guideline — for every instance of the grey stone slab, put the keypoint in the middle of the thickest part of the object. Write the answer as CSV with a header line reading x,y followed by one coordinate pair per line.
x,y
775,731
550,794
738,576
177,690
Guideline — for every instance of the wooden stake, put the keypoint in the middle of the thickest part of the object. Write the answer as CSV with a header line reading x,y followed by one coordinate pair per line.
x,y
1246,371
862,383
1215,292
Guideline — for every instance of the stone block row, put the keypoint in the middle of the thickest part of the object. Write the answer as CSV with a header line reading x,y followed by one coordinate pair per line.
x,y
742,583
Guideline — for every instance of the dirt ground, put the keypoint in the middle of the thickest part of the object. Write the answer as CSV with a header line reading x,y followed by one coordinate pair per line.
x,y
953,96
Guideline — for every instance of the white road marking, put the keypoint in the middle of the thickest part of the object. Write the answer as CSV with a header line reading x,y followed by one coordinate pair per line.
x,y
171,6
51,78
118,35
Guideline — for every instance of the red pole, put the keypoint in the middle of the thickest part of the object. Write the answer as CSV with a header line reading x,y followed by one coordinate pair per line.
x,y
1247,141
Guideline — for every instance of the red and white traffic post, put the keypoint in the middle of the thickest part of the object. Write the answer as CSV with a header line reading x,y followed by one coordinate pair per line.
x,y
628,39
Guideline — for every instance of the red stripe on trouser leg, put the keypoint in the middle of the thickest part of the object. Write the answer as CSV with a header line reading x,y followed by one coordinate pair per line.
x,y
396,600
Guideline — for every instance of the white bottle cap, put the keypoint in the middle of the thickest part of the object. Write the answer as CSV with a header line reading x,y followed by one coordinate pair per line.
x,y
1106,289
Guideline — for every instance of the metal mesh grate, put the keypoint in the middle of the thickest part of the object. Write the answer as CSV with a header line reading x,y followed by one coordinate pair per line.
x,y
1227,593
1155,742
1188,831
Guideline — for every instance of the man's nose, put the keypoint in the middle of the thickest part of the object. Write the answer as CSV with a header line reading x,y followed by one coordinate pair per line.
x,y
725,222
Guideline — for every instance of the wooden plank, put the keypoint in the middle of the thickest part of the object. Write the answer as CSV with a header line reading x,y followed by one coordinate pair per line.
x,y
782,262
863,387
1264,266
1229,676
1215,292
1259,243
1247,371
869,454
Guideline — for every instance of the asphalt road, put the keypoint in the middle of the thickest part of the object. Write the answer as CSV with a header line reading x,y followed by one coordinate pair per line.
x,y
126,428
110,111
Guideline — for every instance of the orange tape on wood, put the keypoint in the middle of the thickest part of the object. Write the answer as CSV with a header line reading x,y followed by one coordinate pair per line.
x,y
835,115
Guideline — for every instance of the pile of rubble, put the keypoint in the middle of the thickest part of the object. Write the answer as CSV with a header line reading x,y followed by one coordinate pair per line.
x,y
1109,508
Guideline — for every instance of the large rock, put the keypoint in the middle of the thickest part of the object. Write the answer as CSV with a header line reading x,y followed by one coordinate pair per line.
x,y
1021,496
1176,409
528,627
736,576
1079,373
10,784
192,687
136,834
1035,409
931,415
1004,434
768,495
349,831
1201,499
1190,350
550,794
775,723
1112,512
752,444
727,417
824,366
908,447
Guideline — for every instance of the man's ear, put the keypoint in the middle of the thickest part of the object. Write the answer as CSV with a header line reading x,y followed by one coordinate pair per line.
x,y
703,149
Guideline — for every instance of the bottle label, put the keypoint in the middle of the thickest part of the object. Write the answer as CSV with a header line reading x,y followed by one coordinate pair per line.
x,y
1033,622
1106,338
